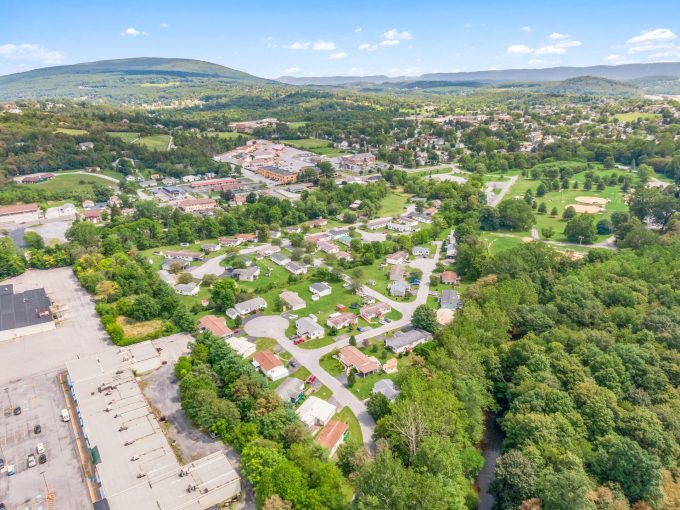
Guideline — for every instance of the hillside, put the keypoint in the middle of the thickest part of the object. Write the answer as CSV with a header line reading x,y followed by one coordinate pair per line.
x,y
591,85
124,80
620,72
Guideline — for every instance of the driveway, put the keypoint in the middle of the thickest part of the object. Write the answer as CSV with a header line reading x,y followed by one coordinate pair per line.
x,y
275,327
210,266
494,199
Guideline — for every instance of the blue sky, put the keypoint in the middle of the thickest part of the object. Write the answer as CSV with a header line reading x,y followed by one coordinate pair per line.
x,y
273,37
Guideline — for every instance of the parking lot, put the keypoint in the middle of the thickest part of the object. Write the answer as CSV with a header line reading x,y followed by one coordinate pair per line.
x,y
58,483
30,367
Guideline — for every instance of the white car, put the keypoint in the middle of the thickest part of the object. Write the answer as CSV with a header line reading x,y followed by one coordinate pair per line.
x,y
40,448
292,317
64,415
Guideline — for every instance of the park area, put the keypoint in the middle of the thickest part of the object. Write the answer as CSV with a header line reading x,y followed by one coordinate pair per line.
x,y
315,145
152,142
72,181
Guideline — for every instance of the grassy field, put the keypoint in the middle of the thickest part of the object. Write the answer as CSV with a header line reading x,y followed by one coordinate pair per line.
x,y
230,135
156,142
72,182
263,344
496,243
296,125
137,329
563,199
346,416
70,131
315,145
434,171
393,205
633,116
126,136
317,343
330,364
159,85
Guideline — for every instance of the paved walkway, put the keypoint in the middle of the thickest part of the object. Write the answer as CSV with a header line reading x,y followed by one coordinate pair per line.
x,y
494,199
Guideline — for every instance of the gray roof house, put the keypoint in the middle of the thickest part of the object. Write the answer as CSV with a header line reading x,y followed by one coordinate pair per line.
x,y
247,307
449,300
280,258
168,263
387,388
406,340
291,389
399,289
320,289
306,326
248,274
421,251
295,268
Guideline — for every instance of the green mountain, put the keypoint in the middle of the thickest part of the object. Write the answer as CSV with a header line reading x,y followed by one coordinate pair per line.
x,y
592,86
133,80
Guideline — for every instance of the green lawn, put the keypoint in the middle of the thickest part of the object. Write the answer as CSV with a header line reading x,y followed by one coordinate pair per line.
x,y
230,135
296,125
317,343
330,364
315,145
126,136
263,344
72,182
324,393
156,142
301,373
347,416
425,171
497,243
71,131
393,204
633,116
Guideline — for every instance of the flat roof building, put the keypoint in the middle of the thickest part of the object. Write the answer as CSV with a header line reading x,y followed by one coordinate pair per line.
x,y
24,313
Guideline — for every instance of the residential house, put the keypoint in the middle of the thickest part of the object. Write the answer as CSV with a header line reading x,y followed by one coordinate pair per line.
x,y
374,310
216,325
378,223
403,341
355,205
449,278
269,364
88,204
315,412
167,277
315,238
332,436
327,247
267,251
420,251
345,239
400,289
421,218
353,358
86,146
320,289
341,320
338,232
187,289
168,264
387,388
210,247
309,328
397,273
94,215
248,274
319,222
391,366
230,241
295,268
291,300
399,227
399,257
430,211
241,345
343,255
189,256
293,229
291,390
246,307
250,238
280,259
449,300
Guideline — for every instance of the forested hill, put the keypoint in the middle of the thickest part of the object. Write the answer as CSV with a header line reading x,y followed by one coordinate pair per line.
x,y
126,80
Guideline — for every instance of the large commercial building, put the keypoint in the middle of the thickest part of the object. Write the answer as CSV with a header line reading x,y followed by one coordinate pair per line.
x,y
24,313
134,466
19,213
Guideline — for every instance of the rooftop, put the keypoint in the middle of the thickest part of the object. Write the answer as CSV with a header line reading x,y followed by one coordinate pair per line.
x,y
23,309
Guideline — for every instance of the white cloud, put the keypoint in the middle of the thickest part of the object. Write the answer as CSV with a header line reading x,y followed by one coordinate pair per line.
x,y
389,42
368,47
319,45
518,49
644,48
164,25
409,71
652,36
396,35
292,70
568,44
132,32
556,36
536,62
526,28
338,56
32,52
358,29
323,45
617,59
671,53
550,49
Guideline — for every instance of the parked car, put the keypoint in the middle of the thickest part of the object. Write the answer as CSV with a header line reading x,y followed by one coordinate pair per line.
x,y
382,321
354,306
2,463
64,415
40,448
42,459
292,316
388,320
293,363
298,341
10,470
346,285
2,506
415,281
361,329
17,410
184,245
311,379
37,429
30,462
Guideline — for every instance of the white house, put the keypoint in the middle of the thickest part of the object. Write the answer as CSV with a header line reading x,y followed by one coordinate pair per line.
x,y
399,257
308,327
320,289
271,366
187,289
420,251
315,412
295,268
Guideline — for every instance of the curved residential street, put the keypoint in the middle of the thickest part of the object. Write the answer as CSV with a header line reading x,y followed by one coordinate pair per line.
x,y
274,326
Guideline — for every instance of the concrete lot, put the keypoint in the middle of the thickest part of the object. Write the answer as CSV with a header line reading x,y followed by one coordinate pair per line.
x,y
28,378
59,482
